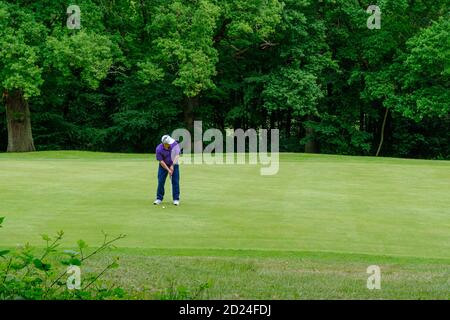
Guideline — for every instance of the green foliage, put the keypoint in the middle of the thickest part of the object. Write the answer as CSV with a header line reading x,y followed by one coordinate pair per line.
x,y
32,48
337,136
184,44
86,54
309,68
26,274
425,80
19,36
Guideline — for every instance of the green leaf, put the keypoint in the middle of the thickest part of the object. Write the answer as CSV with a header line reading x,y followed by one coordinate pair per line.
x,y
71,262
81,244
46,266
37,281
75,262
65,262
4,252
115,264
37,263
41,265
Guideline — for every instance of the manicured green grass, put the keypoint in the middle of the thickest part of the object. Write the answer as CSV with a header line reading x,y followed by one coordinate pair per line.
x,y
318,224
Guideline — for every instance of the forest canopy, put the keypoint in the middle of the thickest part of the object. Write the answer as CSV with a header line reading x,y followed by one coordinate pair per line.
x,y
135,70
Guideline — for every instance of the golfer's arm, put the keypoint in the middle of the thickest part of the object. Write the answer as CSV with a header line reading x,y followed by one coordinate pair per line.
x,y
164,165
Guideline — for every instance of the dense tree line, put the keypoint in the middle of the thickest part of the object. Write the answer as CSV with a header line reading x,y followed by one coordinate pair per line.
x,y
138,69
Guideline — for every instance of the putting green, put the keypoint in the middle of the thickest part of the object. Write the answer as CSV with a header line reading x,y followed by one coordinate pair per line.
x,y
316,203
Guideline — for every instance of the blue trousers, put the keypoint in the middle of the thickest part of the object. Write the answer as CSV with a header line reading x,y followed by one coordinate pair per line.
x,y
162,176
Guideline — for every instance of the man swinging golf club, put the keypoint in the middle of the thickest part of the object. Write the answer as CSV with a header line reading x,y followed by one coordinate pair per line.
x,y
167,153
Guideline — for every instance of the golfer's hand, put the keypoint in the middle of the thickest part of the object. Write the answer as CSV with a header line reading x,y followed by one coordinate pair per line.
x,y
171,171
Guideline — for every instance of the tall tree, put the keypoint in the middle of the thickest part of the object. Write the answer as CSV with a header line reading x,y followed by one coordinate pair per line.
x,y
32,50
20,73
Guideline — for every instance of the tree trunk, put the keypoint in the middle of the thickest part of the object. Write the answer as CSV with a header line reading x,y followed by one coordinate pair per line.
x,y
20,138
311,146
288,124
382,132
190,104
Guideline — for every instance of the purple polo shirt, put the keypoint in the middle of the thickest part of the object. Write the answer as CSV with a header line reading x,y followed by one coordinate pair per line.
x,y
167,155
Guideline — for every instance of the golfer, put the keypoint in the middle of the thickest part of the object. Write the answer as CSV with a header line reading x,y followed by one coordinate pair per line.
x,y
167,153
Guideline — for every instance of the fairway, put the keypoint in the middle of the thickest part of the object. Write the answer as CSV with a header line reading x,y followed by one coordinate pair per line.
x,y
329,208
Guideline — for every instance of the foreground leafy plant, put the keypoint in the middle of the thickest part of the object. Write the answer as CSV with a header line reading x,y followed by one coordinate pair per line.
x,y
25,274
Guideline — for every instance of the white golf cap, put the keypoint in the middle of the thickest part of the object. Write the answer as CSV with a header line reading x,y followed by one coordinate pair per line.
x,y
167,139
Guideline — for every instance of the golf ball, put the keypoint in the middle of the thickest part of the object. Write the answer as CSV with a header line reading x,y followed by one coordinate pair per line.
x,y
164,207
